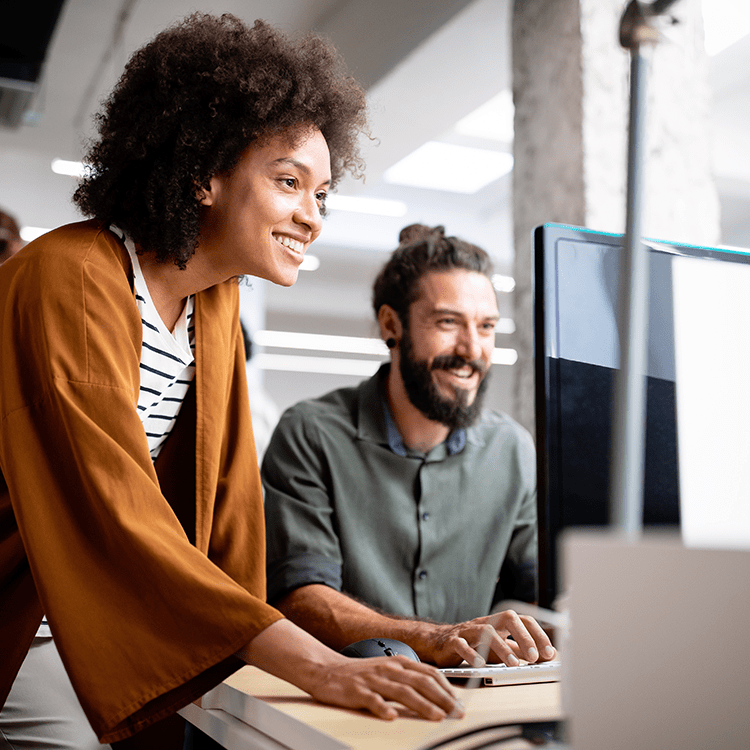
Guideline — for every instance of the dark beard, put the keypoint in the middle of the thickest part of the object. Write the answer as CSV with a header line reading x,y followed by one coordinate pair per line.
x,y
455,413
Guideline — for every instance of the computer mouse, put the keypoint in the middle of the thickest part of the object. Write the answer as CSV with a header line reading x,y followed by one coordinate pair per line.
x,y
379,647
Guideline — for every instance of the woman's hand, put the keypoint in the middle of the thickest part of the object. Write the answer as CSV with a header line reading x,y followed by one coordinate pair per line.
x,y
369,683
292,654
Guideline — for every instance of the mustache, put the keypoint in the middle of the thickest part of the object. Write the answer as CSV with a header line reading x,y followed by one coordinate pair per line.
x,y
454,362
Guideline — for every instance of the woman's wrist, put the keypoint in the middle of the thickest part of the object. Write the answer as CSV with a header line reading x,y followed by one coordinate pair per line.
x,y
288,652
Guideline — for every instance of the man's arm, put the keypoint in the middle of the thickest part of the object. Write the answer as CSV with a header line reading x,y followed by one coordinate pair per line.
x,y
339,620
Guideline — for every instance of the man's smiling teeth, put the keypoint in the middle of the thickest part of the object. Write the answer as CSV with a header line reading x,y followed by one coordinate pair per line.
x,y
464,372
298,247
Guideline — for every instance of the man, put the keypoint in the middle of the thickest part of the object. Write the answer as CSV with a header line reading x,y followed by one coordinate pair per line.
x,y
399,506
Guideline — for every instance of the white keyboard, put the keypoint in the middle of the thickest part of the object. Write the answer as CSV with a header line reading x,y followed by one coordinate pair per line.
x,y
499,674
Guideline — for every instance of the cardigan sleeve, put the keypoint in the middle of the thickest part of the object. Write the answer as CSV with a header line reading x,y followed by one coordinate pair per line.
x,y
144,620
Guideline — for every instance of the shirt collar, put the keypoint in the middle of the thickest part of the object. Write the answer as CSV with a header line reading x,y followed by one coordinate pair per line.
x,y
454,443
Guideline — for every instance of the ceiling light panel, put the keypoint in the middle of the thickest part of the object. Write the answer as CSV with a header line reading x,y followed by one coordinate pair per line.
x,y
503,283
444,166
310,263
361,205
31,233
504,356
320,342
321,365
492,121
69,168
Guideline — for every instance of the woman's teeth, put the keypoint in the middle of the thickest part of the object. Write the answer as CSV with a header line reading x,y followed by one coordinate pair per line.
x,y
294,245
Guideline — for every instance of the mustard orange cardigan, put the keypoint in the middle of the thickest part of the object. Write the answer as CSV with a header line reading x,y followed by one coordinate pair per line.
x,y
151,577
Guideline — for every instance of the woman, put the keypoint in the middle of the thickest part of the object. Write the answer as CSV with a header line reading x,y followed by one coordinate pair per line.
x,y
130,502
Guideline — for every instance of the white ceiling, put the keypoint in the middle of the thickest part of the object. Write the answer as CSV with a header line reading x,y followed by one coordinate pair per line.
x,y
427,70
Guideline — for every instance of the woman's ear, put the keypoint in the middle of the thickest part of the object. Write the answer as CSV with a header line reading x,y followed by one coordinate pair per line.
x,y
390,325
207,195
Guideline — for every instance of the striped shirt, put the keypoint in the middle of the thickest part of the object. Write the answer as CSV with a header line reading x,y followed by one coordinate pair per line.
x,y
167,360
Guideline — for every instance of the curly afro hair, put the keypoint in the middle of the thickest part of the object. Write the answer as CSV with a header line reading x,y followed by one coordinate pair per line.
x,y
187,106
422,250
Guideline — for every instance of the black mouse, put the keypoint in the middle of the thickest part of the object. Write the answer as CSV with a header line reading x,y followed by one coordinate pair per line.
x,y
379,647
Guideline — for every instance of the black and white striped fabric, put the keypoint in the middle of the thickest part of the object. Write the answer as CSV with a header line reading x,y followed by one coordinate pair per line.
x,y
167,360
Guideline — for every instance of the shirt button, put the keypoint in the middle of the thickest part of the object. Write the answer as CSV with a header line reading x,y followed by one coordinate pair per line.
x,y
425,516
422,574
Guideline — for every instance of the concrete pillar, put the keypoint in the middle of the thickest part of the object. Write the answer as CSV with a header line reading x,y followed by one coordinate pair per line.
x,y
570,88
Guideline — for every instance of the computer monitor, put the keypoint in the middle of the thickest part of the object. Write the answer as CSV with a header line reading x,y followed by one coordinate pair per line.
x,y
576,349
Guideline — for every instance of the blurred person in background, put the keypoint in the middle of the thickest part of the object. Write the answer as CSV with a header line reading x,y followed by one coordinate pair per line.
x,y
264,411
10,237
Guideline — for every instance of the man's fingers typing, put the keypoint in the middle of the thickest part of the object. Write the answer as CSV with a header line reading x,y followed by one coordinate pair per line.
x,y
533,644
461,648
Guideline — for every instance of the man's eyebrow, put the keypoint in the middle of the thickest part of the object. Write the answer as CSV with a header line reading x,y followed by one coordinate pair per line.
x,y
299,165
450,311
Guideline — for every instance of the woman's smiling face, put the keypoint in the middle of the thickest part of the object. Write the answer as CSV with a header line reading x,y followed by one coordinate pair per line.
x,y
260,218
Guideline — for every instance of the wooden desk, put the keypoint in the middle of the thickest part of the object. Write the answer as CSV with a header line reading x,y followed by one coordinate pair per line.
x,y
252,709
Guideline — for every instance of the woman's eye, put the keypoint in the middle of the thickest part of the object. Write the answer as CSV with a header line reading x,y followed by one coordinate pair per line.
x,y
289,181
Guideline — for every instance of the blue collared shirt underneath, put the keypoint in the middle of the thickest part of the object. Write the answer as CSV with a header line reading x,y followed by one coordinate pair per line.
x,y
454,443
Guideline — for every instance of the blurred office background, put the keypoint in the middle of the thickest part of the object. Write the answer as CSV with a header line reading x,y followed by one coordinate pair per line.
x,y
438,76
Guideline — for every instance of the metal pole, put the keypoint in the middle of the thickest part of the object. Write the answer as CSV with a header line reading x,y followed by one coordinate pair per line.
x,y
626,491
638,35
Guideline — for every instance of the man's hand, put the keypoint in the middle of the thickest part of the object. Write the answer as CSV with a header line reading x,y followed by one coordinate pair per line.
x,y
488,639
339,620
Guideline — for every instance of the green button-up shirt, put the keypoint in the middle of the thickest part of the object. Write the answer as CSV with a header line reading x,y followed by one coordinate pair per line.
x,y
426,535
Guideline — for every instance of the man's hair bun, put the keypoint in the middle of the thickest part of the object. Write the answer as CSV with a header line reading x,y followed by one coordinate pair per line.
x,y
416,232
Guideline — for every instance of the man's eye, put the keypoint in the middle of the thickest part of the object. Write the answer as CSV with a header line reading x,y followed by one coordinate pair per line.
x,y
289,181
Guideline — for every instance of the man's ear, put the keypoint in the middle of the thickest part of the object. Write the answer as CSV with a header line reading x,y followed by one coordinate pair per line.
x,y
389,323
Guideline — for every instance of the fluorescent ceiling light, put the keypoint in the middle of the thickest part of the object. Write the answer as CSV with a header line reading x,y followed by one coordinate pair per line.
x,y
503,283
31,233
69,168
456,169
724,23
320,342
505,325
324,342
493,120
310,263
336,366
504,356
377,206
321,365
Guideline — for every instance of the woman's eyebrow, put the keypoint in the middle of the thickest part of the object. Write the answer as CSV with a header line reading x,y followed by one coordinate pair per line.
x,y
299,165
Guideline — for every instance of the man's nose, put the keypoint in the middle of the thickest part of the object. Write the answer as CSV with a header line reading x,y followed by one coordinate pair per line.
x,y
469,345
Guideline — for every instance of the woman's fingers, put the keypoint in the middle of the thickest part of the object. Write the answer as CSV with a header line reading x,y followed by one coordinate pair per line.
x,y
370,683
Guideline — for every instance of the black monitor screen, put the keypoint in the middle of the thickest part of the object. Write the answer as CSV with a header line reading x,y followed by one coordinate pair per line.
x,y
576,343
